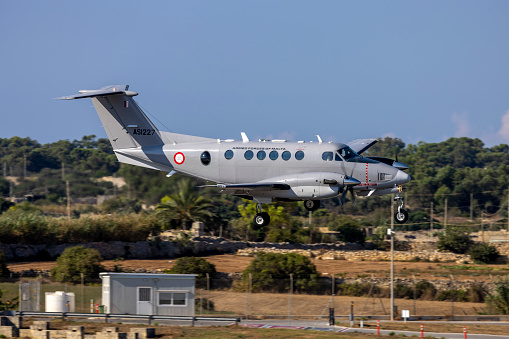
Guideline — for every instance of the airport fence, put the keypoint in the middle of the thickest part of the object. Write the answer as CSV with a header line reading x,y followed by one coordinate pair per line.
x,y
284,298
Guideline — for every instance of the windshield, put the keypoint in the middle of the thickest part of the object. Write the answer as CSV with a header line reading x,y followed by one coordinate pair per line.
x,y
347,153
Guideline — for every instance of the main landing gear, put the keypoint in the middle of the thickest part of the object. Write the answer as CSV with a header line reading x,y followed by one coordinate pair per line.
x,y
401,216
261,218
312,205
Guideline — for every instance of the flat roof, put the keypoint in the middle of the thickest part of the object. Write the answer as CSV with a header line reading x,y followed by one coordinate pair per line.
x,y
147,275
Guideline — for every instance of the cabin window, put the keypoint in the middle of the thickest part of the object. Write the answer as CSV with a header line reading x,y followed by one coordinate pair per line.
x,y
273,155
228,154
261,155
205,158
248,155
327,156
299,155
286,155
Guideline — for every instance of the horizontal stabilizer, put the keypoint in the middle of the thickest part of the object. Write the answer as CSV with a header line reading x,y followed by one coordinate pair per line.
x,y
105,91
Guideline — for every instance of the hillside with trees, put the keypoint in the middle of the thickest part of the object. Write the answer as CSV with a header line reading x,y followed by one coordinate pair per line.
x,y
470,178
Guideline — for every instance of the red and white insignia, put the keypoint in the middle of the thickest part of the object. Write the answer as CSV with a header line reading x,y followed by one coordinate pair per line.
x,y
179,158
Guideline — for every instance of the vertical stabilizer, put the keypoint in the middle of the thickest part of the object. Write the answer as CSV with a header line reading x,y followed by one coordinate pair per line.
x,y
125,123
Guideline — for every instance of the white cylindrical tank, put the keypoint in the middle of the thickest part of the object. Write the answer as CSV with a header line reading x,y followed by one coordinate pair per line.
x,y
59,301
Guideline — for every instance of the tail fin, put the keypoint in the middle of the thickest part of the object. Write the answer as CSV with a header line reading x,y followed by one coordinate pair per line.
x,y
125,123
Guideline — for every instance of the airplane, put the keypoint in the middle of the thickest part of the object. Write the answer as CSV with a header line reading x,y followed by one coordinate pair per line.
x,y
263,171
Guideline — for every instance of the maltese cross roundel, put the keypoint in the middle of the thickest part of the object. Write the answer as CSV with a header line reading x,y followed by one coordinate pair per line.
x,y
179,158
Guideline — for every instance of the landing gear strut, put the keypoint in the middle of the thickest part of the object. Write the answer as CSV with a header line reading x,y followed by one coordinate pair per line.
x,y
261,218
401,216
312,205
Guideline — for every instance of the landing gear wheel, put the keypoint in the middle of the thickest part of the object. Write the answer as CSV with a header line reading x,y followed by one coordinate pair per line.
x,y
262,219
401,216
312,205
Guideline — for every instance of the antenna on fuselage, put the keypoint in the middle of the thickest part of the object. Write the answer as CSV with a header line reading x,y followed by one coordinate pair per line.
x,y
244,137
319,139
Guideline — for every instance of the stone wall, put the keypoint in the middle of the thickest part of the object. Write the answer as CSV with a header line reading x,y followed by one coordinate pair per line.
x,y
161,249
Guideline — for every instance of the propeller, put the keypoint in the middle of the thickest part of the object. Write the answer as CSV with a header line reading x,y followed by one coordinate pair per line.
x,y
349,183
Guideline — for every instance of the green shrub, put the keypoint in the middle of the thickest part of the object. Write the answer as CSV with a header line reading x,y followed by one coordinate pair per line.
x,y
499,300
76,260
483,253
271,272
454,295
425,290
194,265
454,240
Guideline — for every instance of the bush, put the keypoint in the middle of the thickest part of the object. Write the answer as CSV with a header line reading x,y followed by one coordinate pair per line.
x,y
194,265
425,290
358,289
500,298
76,260
271,272
483,253
454,295
349,229
454,240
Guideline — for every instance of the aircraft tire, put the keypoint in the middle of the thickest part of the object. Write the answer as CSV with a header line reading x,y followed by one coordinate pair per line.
x,y
262,219
401,217
311,205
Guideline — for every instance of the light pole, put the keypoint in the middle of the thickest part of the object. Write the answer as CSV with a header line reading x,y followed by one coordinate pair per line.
x,y
390,232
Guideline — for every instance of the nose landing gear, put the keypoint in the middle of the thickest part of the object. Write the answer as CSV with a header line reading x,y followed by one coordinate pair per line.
x,y
401,216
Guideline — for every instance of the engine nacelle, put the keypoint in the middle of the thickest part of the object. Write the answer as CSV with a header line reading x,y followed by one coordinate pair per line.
x,y
390,162
312,185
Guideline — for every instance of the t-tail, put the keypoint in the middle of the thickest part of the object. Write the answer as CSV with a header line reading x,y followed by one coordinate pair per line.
x,y
125,123
133,136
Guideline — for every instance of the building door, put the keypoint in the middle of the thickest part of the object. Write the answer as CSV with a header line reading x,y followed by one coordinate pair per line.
x,y
144,301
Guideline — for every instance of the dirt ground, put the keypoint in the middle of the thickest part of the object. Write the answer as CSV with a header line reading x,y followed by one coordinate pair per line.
x,y
352,269
301,305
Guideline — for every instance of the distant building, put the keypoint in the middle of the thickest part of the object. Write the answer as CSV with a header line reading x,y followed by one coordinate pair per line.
x,y
151,294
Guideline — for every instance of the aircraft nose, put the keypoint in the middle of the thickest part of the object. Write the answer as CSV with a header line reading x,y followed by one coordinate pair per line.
x,y
402,177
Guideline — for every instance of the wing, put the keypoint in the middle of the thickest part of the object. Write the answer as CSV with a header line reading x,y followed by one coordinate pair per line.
x,y
361,145
245,188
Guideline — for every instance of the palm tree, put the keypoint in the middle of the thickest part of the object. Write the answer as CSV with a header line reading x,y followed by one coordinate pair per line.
x,y
185,206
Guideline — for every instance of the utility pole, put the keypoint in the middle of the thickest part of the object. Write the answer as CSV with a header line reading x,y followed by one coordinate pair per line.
x,y
24,166
431,218
68,199
471,206
445,215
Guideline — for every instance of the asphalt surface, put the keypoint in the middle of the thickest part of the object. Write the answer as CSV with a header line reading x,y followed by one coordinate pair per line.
x,y
324,326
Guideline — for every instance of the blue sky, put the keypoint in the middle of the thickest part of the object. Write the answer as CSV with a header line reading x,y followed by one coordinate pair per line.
x,y
416,70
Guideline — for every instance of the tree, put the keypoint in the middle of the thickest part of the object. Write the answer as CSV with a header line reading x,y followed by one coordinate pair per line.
x,y
500,298
349,229
454,240
77,260
483,253
194,265
4,271
185,206
271,272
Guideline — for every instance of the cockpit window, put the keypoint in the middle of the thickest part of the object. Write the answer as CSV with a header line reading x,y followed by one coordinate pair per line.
x,y
347,153
327,156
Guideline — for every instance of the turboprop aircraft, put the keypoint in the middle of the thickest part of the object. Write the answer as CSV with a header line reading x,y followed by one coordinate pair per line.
x,y
263,171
